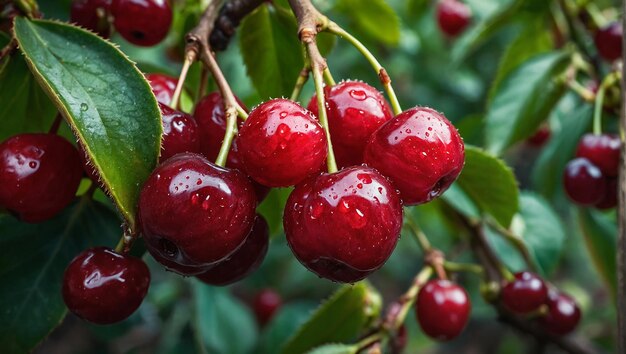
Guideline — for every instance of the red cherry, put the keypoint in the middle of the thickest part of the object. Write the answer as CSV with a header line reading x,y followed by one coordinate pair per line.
x,y
602,150
187,269
142,22
525,294
540,137
400,340
281,144
39,175
442,309
453,17
92,15
609,201
103,287
343,226
420,151
163,87
244,261
608,40
355,110
584,182
563,314
180,132
265,305
194,212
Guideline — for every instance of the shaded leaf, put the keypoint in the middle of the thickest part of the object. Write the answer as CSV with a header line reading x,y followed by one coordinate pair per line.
x,y
33,258
283,324
377,20
601,240
105,99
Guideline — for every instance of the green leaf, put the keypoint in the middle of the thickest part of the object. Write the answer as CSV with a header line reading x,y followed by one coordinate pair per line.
x,y
524,99
335,349
271,50
601,239
33,258
574,117
223,322
533,40
104,98
283,325
377,20
490,183
341,318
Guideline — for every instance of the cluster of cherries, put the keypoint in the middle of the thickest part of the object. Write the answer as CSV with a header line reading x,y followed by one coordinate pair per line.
x,y
141,22
590,179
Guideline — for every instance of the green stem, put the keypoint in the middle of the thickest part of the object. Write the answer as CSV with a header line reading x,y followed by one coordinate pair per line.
x,y
328,78
382,73
302,79
597,112
421,238
515,241
120,245
463,267
190,57
408,298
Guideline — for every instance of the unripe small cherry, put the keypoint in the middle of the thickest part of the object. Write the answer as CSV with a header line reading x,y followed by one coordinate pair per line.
x,y
103,287
265,304
584,182
525,294
442,309
453,17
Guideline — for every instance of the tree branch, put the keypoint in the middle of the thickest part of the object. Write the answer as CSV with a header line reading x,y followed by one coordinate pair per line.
x,y
228,20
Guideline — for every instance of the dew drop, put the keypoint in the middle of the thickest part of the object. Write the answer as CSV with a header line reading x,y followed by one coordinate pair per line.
x,y
32,164
84,107
358,95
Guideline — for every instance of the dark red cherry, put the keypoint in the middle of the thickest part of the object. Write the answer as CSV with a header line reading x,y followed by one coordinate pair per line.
x,y
244,261
563,313
355,110
142,22
420,151
163,87
608,40
180,132
39,175
453,17
187,269
92,15
281,143
103,287
609,201
194,212
602,150
265,305
525,294
343,226
442,309
584,182
540,137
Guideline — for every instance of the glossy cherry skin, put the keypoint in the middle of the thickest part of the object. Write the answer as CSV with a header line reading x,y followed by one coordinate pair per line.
x,y
609,201
420,151
180,132
608,41
103,287
355,110
92,15
442,309
265,305
39,175
584,182
602,150
163,87
142,22
453,17
244,261
343,226
563,314
194,212
281,144
525,294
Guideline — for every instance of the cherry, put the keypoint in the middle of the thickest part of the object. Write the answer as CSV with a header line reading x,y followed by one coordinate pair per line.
x,y
281,143
343,226
420,151
355,110
453,17
525,294
180,132
163,87
563,313
142,22
92,15
400,340
584,182
609,200
195,213
602,150
39,175
172,266
540,137
103,287
265,305
244,261
608,40
442,309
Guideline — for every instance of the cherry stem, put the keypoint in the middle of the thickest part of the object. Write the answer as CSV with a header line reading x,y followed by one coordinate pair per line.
x,y
54,128
302,79
393,321
328,77
190,57
454,267
597,111
516,241
421,238
380,70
